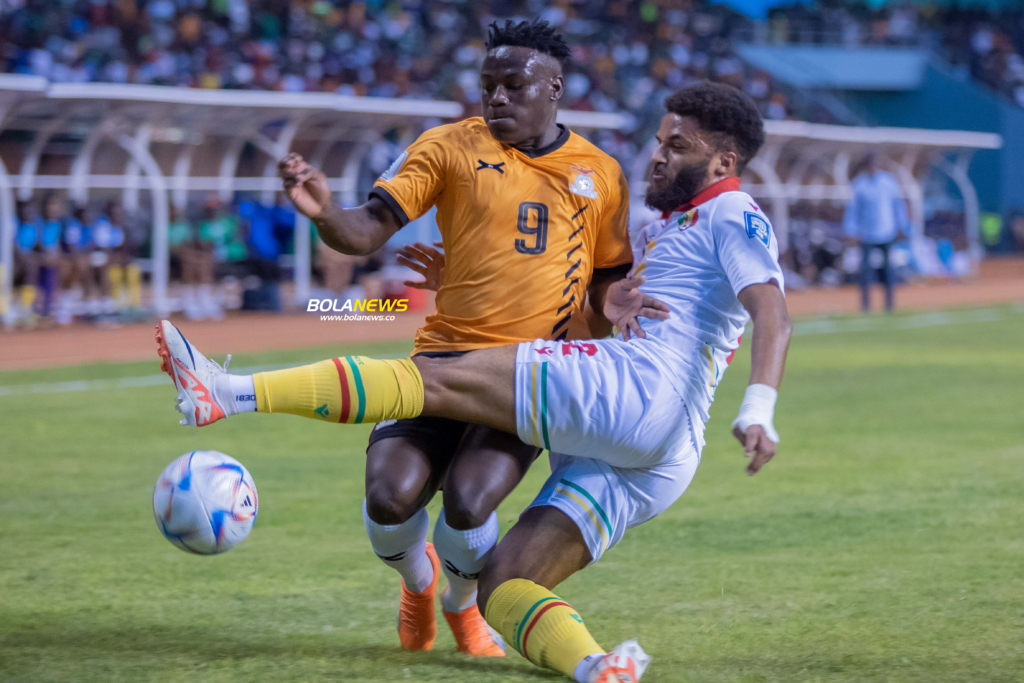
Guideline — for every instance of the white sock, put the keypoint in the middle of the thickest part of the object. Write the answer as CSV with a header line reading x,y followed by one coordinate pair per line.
x,y
585,669
237,395
403,547
463,555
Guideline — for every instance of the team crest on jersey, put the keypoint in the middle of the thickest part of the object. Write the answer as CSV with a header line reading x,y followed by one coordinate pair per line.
x,y
757,227
688,219
583,184
393,169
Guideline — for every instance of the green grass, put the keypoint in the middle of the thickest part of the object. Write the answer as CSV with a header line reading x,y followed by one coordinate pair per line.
x,y
884,543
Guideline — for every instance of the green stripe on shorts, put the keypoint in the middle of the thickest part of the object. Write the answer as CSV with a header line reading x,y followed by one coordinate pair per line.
x,y
593,502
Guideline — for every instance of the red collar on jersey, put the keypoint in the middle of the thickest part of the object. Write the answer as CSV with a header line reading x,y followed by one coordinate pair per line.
x,y
724,185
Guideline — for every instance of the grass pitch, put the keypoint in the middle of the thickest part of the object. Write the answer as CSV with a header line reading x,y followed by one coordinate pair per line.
x,y
884,543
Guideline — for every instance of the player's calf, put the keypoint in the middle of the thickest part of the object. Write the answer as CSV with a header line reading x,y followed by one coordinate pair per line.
x,y
548,632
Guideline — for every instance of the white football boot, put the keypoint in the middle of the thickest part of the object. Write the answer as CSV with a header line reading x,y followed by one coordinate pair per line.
x,y
626,663
194,376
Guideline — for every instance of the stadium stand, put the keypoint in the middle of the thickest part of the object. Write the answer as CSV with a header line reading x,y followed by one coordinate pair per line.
x,y
227,241
626,56
984,42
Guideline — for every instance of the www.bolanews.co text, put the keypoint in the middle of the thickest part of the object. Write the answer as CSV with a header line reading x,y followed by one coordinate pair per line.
x,y
353,309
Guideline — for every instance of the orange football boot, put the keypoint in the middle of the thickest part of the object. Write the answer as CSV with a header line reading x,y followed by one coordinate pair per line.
x,y
472,634
417,625
626,663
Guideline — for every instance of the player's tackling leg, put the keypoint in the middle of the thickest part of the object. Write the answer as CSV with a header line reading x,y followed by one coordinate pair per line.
x,y
347,390
539,625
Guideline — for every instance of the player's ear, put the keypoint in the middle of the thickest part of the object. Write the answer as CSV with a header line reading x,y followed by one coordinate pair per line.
x,y
557,87
725,164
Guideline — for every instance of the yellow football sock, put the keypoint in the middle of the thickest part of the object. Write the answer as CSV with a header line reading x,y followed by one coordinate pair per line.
x,y
353,389
540,626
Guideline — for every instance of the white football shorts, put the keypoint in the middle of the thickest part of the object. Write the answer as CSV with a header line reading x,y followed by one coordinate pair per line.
x,y
605,399
633,452
604,500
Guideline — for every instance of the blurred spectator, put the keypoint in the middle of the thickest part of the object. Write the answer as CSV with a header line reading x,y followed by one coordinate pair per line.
x,y
74,264
220,228
26,258
108,258
194,256
49,248
264,251
875,218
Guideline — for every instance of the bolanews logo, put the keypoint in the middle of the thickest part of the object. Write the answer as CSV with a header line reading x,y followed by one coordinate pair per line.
x,y
354,309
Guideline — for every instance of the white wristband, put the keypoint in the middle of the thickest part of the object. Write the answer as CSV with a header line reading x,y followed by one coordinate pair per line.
x,y
758,408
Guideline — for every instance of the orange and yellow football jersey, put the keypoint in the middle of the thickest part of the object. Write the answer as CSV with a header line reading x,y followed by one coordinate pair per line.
x,y
522,231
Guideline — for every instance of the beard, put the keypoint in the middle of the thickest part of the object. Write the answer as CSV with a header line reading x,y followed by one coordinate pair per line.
x,y
688,182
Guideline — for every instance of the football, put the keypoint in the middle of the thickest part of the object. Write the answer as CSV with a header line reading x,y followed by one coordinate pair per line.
x,y
205,502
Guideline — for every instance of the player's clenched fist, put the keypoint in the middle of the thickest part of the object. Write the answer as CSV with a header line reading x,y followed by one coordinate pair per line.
x,y
305,185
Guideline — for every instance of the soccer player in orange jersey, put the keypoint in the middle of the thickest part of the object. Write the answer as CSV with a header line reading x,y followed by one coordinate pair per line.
x,y
534,224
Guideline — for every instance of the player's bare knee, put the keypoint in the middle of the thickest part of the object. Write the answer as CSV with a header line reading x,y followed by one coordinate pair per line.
x,y
463,516
387,504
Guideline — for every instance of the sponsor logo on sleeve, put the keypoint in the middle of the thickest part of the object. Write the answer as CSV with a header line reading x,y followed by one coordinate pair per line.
x,y
582,183
757,227
393,169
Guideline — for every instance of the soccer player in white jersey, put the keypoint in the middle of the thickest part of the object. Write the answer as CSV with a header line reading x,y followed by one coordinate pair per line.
x,y
623,418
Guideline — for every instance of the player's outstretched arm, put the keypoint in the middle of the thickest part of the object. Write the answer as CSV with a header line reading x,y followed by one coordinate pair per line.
x,y
754,426
358,231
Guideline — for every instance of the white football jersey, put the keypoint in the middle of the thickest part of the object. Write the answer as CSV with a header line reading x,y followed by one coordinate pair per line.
x,y
697,260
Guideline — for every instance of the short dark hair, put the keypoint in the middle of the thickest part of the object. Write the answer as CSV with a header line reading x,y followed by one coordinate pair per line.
x,y
724,111
537,35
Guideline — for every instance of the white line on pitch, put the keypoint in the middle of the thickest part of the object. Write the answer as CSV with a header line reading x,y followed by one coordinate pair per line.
x,y
910,322
981,315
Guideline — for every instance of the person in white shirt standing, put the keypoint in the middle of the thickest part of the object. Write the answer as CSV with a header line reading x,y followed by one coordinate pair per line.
x,y
622,417
876,217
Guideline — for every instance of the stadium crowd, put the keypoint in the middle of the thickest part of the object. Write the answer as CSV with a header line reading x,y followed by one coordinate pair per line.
x,y
627,56
983,43
86,263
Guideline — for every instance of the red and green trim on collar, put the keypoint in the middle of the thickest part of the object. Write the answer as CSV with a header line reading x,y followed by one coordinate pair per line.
x,y
707,194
